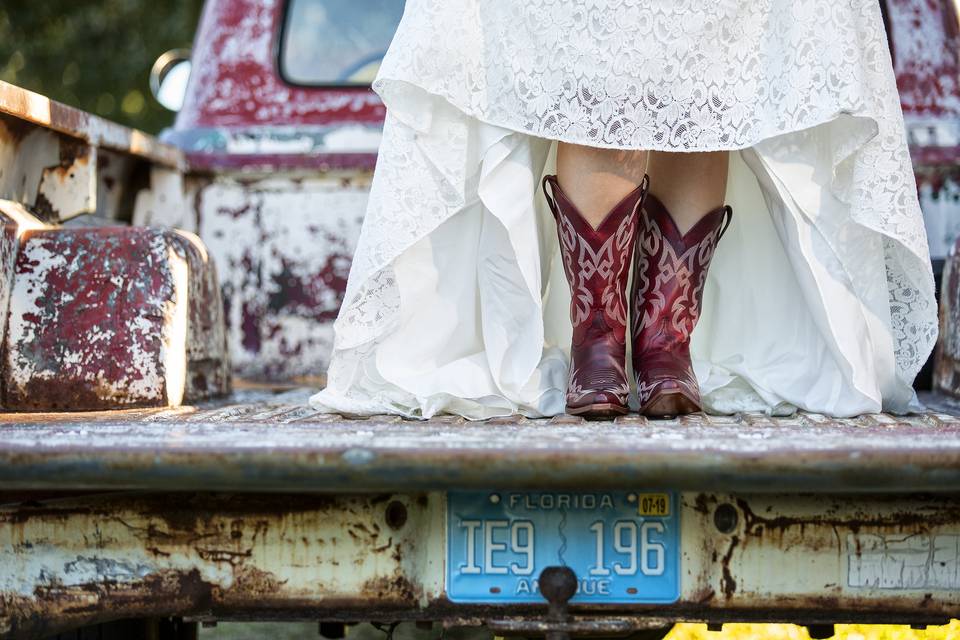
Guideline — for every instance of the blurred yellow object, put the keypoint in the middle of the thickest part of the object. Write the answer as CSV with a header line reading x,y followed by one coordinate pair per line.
x,y
793,632
366,74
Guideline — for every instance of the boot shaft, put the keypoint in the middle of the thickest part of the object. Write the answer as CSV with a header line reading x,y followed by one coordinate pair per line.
x,y
596,260
669,276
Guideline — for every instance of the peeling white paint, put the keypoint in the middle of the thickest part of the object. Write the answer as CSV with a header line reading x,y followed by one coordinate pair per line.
x,y
23,302
173,351
71,190
354,138
941,215
165,203
255,230
24,161
906,561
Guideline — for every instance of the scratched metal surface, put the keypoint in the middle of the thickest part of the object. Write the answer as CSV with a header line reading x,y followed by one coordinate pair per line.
x,y
274,442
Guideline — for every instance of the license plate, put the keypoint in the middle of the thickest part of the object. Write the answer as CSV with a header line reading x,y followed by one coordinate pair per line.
x,y
624,546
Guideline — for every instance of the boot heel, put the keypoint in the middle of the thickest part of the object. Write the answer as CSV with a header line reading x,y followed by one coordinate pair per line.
x,y
607,410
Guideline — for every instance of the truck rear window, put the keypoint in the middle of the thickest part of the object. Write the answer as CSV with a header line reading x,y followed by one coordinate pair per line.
x,y
336,42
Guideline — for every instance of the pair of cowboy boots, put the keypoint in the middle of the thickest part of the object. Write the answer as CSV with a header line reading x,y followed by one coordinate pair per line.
x,y
669,273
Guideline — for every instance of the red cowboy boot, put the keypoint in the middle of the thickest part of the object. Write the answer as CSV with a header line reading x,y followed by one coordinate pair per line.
x,y
597,265
667,294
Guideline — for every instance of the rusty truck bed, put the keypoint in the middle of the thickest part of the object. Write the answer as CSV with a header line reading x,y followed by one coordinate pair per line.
x,y
263,441
804,519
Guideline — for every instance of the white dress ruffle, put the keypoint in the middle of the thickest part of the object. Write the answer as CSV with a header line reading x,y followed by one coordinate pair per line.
x,y
820,296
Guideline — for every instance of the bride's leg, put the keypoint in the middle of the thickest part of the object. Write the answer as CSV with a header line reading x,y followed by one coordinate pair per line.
x,y
689,184
597,179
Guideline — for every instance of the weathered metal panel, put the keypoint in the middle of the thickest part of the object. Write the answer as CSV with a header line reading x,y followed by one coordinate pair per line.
x,y
939,191
37,111
234,80
167,203
25,153
283,248
54,175
61,163
925,43
208,368
279,444
78,562
283,245
116,183
946,363
14,219
808,559
103,318
883,555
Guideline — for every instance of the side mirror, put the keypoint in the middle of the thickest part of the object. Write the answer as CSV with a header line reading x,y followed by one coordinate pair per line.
x,y
168,78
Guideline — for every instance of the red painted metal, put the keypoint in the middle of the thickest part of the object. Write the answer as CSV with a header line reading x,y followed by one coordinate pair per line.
x,y
926,56
111,317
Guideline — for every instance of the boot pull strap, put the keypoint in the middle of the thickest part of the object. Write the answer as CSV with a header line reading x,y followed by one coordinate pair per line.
x,y
727,219
549,194
551,199
644,190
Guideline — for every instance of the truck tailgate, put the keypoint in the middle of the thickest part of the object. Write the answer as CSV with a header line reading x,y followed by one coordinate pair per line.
x,y
262,508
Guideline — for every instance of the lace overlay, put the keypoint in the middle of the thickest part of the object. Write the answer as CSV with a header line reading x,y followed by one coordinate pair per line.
x,y
683,75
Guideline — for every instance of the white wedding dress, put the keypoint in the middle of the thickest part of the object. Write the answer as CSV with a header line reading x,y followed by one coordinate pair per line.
x,y
820,296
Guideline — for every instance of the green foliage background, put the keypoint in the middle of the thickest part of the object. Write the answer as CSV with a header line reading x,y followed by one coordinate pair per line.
x,y
95,54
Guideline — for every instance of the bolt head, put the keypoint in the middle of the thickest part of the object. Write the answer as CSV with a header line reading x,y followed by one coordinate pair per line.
x,y
558,584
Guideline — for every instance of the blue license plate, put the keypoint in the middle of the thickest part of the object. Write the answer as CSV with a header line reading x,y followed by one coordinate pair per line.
x,y
624,546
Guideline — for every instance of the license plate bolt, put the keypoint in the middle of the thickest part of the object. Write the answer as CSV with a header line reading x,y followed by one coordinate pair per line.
x,y
558,585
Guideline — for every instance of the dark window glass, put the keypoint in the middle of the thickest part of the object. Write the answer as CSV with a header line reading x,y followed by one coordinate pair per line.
x,y
337,41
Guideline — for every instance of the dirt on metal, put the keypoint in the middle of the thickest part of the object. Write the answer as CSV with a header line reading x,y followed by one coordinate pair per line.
x,y
201,555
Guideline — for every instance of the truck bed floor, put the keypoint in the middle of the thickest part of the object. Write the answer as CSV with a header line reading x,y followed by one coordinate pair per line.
x,y
262,441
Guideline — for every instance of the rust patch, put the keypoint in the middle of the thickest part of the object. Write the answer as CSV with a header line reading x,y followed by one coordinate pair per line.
x,y
397,588
56,608
755,524
44,209
727,583
13,130
251,581
73,151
